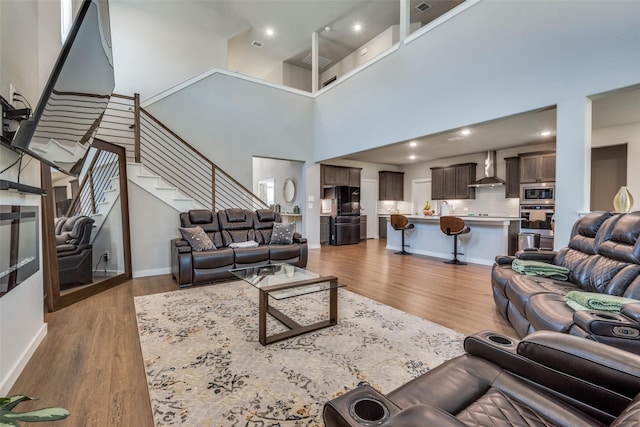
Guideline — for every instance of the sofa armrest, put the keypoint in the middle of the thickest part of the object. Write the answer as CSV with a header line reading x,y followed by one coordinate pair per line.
x,y
587,361
297,238
632,311
504,259
596,378
423,415
544,256
181,246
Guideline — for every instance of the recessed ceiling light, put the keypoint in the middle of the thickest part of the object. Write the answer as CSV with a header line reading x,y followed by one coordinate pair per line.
x,y
327,29
465,131
357,27
412,157
270,32
413,144
545,133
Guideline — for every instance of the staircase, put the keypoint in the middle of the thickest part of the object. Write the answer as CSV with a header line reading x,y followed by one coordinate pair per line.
x,y
166,166
157,186
104,207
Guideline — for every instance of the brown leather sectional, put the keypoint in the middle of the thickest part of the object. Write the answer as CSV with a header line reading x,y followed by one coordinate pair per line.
x,y
547,379
224,228
603,255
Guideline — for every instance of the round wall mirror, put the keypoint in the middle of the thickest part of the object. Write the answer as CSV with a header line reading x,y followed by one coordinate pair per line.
x,y
289,191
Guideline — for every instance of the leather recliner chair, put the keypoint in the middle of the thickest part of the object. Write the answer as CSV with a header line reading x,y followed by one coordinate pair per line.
x,y
547,379
74,250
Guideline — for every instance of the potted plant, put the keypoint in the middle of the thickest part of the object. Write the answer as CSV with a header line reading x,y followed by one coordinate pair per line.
x,y
10,418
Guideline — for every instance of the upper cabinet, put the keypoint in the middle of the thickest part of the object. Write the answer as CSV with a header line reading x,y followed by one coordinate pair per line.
x,y
340,176
512,184
538,167
452,182
391,185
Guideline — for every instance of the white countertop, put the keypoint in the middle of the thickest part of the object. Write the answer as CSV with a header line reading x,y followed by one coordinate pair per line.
x,y
467,218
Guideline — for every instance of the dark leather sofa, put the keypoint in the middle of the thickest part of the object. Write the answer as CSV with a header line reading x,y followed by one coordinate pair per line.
x,y
547,379
603,255
224,228
74,250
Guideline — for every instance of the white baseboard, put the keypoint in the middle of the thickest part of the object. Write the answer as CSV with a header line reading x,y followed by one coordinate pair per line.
x,y
317,246
439,255
17,369
152,272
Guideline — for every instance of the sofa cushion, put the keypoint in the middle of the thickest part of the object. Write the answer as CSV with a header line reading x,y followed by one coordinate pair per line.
x,y
235,215
221,257
251,256
550,312
197,238
284,252
522,288
282,234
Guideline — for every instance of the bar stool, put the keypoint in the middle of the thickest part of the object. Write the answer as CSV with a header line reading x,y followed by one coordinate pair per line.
x,y
454,226
401,223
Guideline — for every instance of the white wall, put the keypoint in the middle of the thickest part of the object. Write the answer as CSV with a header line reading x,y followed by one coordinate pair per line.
x,y
296,77
22,46
153,224
629,134
153,53
493,60
252,61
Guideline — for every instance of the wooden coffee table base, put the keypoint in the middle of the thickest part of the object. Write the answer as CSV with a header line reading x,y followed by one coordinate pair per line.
x,y
295,328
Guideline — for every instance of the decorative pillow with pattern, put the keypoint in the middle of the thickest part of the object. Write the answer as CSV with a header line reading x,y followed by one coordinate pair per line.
x,y
197,238
282,234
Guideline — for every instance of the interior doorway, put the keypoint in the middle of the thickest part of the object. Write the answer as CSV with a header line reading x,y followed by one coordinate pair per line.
x,y
420,194
369,204
608,174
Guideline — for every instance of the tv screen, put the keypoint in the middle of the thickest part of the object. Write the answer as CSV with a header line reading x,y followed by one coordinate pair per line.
x,y
67,117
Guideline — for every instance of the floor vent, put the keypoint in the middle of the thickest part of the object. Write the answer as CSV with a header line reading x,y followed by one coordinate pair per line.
x,y
422,7
257,44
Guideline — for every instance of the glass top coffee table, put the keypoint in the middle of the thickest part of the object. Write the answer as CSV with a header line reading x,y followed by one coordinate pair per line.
x,y
282,281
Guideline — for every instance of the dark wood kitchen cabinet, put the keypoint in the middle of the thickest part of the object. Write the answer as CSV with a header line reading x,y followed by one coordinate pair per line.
x,y
382,227
512,183
340,176
363,227
452,182
538,167
325,230
390,185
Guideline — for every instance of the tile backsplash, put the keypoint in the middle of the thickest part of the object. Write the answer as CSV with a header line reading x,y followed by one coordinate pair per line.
x,y
489,200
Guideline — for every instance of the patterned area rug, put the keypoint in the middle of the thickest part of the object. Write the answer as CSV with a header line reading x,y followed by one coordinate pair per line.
x,y
205,366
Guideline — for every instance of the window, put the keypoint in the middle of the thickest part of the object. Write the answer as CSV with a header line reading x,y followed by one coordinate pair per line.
x,y
66,18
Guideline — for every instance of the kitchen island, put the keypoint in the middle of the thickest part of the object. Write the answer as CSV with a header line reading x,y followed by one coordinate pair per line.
x,y
489,236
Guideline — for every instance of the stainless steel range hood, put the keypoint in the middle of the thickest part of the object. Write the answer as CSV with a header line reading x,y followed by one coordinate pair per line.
x,y
490,179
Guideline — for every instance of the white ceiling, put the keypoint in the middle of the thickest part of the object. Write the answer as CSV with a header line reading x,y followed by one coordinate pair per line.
x,y
295,20
608,110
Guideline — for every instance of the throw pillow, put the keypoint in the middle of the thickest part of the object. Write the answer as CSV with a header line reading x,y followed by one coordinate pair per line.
x,y
247,244
197,238
282,234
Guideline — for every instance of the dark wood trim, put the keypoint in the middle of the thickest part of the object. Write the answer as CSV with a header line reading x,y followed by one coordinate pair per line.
x,y
56,301
50,275
136,127
117,95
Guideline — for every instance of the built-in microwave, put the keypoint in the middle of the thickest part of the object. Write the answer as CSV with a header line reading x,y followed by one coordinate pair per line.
x,y
539,193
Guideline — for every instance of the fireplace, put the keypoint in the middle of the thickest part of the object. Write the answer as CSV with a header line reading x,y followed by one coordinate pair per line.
x,y
18,244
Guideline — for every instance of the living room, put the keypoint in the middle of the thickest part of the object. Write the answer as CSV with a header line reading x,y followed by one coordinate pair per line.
x,y
511,77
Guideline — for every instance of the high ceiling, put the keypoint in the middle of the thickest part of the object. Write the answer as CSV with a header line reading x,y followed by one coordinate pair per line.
x,y
293,22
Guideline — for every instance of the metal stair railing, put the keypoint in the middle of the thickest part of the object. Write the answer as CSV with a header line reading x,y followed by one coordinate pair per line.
x,y
166,154
95,182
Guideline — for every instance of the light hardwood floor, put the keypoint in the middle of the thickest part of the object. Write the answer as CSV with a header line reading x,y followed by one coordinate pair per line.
x,y
90,361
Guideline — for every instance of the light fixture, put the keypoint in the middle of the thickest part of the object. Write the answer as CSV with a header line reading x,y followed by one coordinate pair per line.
x,y
413,144
545,133
327,29
412,157
465,132
270,32
357,27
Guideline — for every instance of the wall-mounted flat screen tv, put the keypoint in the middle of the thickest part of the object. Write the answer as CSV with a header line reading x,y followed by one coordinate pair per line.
x,y
76,95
